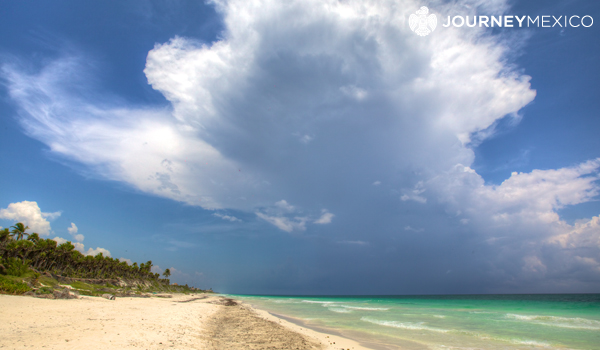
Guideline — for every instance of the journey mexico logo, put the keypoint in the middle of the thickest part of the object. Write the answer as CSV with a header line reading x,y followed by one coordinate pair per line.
x,y
423,23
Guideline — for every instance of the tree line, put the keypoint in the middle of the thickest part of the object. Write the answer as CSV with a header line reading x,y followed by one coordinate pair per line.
x,y
19,249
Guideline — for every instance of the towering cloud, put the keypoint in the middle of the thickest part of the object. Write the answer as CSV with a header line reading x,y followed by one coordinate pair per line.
x,y
294,97
315,102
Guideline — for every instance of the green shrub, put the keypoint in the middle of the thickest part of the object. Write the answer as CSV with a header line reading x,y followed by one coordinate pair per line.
x,y
48,281
12,287
15,267
45,290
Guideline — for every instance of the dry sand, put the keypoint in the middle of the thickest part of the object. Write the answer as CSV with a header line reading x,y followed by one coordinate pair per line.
x,y
181,322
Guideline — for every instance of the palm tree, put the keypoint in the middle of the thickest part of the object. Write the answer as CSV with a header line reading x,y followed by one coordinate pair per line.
x,y
34,237
4,235
19,230
167,273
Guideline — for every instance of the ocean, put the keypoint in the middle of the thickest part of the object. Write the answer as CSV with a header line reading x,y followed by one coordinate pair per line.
x,y
451,321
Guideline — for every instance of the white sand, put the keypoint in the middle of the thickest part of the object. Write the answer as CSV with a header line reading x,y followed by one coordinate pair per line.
x,y
150,323
328,341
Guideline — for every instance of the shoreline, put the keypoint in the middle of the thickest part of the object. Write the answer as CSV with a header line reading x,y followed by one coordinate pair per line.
x,y
331,339
180,322
365,343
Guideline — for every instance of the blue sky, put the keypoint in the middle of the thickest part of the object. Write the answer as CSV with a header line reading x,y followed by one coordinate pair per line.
x,y
311,147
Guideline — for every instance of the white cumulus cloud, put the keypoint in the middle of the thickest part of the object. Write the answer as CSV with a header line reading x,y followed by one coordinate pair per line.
x,y
73,231
325,218
80,247
78,244
128,261
98,250
30,214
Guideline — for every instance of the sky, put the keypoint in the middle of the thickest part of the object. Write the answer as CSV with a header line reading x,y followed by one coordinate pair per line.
x,y
309,147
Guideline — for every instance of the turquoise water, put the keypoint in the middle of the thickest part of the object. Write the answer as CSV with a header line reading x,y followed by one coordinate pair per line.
x,y
451,322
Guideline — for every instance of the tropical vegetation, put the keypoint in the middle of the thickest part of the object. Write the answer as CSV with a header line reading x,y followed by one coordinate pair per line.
x,y
27,255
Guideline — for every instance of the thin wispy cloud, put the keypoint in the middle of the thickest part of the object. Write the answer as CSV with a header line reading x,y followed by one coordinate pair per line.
x,y
227,217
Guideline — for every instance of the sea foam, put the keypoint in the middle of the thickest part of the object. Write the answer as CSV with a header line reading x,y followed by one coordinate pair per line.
x,y
318,302
529,342
365,308
555,321
340,310
420,326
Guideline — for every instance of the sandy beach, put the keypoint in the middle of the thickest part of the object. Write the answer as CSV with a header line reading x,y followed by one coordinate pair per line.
x,y
180,322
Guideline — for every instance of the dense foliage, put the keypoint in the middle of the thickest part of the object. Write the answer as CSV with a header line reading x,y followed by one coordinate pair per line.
x,y
18,254
12,287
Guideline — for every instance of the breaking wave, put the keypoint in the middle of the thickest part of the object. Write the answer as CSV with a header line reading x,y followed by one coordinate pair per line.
x,y
529,342
419,326
318,302
555,321
366,308
340,310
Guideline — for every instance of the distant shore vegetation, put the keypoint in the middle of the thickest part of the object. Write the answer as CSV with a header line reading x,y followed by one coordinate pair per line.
x,y
30,264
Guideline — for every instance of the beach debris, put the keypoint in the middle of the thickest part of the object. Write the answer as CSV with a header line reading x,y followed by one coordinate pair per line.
x,y
108,296
193,299
230,302
142,295
65,294
49,293
233,327
163,296
224,302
